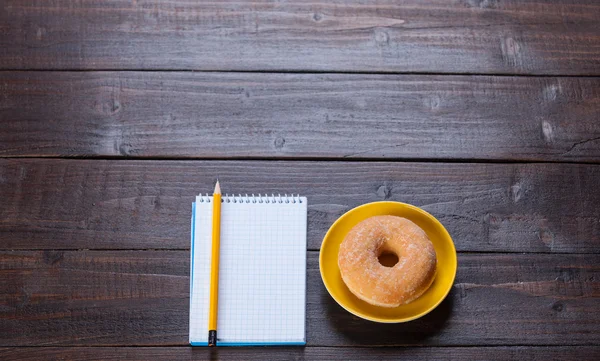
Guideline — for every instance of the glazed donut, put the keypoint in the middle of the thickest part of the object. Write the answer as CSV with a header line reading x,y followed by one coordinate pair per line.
x,y
375,283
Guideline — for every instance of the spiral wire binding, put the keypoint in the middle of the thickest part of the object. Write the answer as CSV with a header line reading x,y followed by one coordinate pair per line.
x,y
254,199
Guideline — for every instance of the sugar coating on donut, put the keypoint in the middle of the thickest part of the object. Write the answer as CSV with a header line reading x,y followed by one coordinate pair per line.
x,y
375,283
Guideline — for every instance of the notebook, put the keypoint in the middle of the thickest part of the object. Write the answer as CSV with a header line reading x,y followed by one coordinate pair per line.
x,y
262,273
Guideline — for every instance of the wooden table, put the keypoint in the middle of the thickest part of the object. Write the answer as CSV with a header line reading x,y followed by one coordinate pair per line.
x,y
114,114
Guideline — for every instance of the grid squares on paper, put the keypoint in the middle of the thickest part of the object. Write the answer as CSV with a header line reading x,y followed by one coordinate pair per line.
x,y
262,278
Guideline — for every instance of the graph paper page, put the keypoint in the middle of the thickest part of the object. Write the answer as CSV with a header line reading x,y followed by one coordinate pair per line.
x,y
262,274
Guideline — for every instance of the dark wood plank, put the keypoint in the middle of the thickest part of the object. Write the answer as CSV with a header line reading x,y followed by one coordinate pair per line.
x,y
94,298
571,353
109,204
497,299
141,298
482,36
208,115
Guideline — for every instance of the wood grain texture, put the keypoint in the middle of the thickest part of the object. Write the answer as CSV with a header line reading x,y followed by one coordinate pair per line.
x,y
481,36
109,204
217,115
571,353
142,298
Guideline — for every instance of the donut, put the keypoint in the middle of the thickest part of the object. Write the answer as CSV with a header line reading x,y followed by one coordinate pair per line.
x,y
380,285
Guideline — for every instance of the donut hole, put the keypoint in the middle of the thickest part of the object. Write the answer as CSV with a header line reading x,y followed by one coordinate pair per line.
x,y
388,259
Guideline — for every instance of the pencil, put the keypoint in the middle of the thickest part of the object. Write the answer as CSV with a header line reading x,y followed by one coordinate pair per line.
x,y
214,267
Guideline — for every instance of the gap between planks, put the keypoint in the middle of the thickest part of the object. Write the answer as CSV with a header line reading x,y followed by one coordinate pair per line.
x,y
301,159
282,71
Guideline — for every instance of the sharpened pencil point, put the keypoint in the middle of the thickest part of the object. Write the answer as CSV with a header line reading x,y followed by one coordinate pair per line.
x,y
217,188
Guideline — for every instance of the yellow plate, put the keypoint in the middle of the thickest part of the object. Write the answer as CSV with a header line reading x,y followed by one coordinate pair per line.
x,y
444,248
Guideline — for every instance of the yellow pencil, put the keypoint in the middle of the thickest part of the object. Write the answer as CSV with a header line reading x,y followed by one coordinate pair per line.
x,y
214,268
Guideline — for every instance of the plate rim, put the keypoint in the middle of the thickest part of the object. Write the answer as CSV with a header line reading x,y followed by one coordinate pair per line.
x,y
414,208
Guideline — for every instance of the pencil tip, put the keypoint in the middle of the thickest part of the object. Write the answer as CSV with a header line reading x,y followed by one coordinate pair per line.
x,y
217,188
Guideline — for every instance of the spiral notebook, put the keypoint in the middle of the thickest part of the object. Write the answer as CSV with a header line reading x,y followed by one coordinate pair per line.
x,y
262,273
